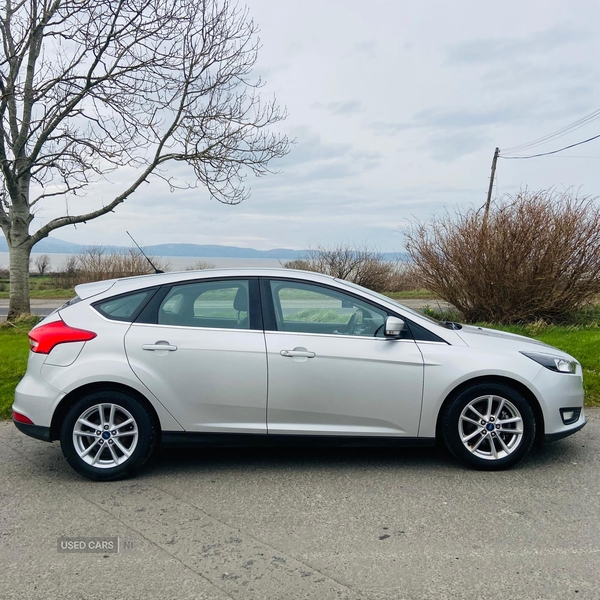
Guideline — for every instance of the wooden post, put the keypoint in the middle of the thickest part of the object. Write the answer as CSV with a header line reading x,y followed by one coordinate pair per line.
x,y
489,196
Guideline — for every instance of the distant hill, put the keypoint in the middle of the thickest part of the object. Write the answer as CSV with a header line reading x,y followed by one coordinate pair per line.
x,y
55,246
49,246
213,251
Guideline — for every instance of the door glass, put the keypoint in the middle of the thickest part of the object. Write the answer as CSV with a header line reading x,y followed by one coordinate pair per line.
x,y
219,304
306,308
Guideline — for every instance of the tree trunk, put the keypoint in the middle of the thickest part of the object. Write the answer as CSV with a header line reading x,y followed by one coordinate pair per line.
x,y
19,280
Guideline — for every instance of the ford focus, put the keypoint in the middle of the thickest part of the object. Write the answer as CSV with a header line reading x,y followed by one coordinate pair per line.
x,y
275,356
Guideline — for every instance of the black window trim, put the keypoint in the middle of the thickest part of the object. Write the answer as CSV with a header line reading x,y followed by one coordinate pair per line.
x,y
416,331
149,316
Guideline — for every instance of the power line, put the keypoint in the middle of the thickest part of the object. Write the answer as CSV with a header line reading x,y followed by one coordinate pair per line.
x,y
552,152
556,134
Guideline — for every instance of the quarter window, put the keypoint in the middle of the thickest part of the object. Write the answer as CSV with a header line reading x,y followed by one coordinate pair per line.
x,y
121,308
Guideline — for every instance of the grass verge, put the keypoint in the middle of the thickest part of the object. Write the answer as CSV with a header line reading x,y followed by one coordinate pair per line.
x,y
410,294
40,288
14,350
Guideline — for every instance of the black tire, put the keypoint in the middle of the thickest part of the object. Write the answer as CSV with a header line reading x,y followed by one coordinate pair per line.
x,y
456,418
124,465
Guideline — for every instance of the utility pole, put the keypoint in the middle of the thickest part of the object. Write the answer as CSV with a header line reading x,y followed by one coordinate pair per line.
x,y
489,196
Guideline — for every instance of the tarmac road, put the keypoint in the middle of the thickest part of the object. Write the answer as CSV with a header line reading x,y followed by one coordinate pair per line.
x,y
324,524
38,307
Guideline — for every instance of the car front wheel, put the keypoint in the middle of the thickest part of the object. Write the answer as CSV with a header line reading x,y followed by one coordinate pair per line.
x,y
107,435
488,427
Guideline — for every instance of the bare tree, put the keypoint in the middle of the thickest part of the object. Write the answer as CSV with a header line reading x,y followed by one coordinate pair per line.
x,y
88,86
200,265
42,263
96,263
360,264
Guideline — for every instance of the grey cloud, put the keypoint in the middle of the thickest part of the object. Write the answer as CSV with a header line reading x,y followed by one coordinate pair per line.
x,y
349,107
312,158
450,147
496,50
450,119
518,73
368,48
308,146
355,165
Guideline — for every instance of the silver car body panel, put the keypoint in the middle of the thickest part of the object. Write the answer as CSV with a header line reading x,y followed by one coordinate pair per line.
x,y
351,386
216,380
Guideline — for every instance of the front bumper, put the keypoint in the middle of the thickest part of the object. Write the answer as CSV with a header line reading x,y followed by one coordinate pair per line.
x,y
553,437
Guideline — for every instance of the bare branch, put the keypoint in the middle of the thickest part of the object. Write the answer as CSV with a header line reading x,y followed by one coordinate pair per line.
x,y
89,86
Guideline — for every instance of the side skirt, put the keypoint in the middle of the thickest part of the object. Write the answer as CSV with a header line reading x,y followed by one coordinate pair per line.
x,y
185,439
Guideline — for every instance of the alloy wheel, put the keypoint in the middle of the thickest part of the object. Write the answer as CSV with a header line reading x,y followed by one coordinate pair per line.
x,y
105,435
490,427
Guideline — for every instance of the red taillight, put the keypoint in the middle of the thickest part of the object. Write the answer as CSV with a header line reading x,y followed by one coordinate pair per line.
x,y
22,418
44,338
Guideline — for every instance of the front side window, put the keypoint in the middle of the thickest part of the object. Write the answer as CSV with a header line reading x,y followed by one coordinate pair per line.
x,y
306,308
218,304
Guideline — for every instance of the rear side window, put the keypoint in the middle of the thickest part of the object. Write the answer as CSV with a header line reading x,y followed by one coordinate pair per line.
x,y
124,307
215,304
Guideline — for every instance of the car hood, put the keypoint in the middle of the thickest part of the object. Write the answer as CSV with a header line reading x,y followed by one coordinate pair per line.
x,y
482,337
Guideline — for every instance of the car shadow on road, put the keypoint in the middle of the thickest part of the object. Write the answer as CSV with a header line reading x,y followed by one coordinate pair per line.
x,y
197,460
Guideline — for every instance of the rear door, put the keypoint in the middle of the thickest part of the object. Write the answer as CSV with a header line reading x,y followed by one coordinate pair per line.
x,y
199,347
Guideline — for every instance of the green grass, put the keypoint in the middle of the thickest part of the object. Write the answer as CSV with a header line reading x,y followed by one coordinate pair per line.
x,y
39,288
409,294
14,350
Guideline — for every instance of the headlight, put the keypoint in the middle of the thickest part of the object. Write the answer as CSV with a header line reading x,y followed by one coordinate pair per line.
x,y
554,363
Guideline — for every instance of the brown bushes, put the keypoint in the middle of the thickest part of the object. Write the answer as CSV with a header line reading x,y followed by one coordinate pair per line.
x,y
538,257
96,263
359,264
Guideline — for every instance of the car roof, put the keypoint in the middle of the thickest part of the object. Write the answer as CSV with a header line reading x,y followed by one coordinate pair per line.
x,y
126,284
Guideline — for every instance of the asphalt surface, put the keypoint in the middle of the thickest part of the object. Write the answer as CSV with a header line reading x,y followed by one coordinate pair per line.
x,y
328,524
38,307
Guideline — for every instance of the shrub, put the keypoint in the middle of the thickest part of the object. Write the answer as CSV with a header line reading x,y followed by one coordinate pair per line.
x,y
96,264
359,264
538,257
200,265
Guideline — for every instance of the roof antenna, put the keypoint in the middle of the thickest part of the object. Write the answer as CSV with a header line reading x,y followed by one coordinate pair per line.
x,y
156,271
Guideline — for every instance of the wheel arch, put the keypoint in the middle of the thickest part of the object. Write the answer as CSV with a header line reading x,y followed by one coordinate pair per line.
x,y
74,395
497,379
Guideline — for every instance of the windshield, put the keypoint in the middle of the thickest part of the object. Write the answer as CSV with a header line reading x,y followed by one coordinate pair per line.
x,y
388,299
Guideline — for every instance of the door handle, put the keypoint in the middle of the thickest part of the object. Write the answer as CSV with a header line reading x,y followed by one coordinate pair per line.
x,y
160,346
301,353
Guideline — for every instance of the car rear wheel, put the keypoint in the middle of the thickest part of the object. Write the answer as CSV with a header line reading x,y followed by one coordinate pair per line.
x,y
107,435
489,427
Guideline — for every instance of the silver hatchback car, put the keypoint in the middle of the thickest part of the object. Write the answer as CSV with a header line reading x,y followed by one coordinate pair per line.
x,y
272,356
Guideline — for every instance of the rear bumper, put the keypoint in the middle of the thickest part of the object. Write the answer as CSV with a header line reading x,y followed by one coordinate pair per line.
x,y
39,432
553,437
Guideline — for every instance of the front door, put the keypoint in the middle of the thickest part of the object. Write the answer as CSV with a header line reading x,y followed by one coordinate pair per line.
x,y
331,371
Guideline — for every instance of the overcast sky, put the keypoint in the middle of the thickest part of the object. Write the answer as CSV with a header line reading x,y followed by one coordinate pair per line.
x,y
396,108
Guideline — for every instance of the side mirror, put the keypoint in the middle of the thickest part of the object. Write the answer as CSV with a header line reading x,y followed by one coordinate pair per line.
x,y
393,327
